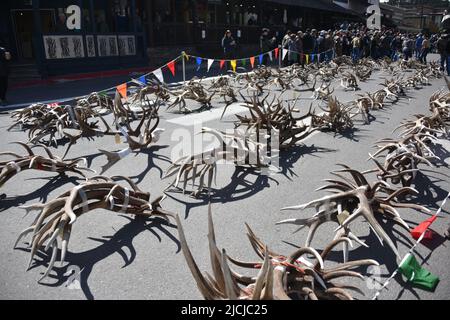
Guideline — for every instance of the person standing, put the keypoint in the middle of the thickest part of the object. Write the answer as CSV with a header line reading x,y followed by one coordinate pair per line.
x,y
356,44
308,42
299,44
418,47
425,50
441,45
5,57
229,45
266,44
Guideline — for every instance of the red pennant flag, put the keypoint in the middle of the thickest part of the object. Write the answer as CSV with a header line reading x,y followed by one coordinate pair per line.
x,y
222,63
276,52
122,90
171,66
252,61
423,227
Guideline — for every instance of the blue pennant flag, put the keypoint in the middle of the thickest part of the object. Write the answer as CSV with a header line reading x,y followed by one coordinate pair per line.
x,y
142,79
312,57
199,63
260,59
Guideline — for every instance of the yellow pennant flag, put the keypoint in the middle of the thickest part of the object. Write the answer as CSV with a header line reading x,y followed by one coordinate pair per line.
x,y
307,58
233,65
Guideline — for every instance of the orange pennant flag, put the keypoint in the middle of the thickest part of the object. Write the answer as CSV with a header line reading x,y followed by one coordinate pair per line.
x,y
171,66
122,90
222,63
233,65
252,61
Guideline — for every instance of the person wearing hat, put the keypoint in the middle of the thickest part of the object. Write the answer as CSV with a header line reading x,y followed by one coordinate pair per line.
x,y
228,45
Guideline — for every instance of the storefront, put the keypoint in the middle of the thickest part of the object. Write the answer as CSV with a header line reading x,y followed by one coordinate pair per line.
x,y
68,36
114,34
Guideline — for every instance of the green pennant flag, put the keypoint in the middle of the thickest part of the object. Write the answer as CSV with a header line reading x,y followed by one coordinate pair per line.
x,y
417,275
244,63
103,93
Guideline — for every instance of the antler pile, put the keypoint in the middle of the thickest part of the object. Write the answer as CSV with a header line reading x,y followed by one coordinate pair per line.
x,y
9,169
53,226
280,277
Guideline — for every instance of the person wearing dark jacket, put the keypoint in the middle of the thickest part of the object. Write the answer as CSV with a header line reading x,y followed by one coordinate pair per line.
x,y
308,42
5,56
229,45
266,43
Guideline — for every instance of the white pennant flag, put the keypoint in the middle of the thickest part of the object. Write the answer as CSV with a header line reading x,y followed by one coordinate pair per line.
x,y
158,74
210,62
285,52
270,55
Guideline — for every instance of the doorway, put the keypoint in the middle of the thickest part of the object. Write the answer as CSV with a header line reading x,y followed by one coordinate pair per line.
x,y
23,26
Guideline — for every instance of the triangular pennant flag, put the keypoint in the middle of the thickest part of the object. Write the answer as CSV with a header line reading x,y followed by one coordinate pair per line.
x,y
284,53
159,75
423,227
313,57
222,63
142,79
210,62
276,52
270,55
122,90
307,58
252,61
199,63
417,275
244,63
171,66
233,65
261,59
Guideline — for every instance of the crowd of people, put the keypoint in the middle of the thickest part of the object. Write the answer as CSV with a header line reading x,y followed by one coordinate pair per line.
x,y
355,41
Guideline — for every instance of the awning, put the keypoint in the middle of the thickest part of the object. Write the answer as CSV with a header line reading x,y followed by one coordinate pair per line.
x,y
315,4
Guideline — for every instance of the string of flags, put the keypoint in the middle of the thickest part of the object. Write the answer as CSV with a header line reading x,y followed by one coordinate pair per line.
x,y
409,267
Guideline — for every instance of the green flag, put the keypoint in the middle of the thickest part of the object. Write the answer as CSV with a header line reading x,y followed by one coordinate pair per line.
x,y
417,275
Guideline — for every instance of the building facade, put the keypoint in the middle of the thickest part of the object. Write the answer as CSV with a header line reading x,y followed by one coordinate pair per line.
x,y
114,34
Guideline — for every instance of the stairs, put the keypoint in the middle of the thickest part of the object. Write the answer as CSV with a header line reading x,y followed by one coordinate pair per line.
x,y
21,73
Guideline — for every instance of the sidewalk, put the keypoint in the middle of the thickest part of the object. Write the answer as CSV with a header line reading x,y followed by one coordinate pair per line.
x,y
81,85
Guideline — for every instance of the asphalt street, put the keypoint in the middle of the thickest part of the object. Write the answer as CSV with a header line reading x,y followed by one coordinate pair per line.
x,y
124,258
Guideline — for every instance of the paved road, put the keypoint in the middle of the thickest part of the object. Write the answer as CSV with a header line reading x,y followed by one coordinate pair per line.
x,y
132,259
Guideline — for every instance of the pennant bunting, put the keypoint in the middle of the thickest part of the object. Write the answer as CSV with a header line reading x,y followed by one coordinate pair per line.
x,y
159,75
261,59
244,63
276,52
222,63
307,59
171,66
252,61
210,62
284,53
122,89
423,227
270,56
418,276
199,63
142,79
233,65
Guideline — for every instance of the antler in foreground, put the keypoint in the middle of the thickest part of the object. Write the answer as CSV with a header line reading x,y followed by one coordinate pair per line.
x,y
9,169
279,277
53,226
353,199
